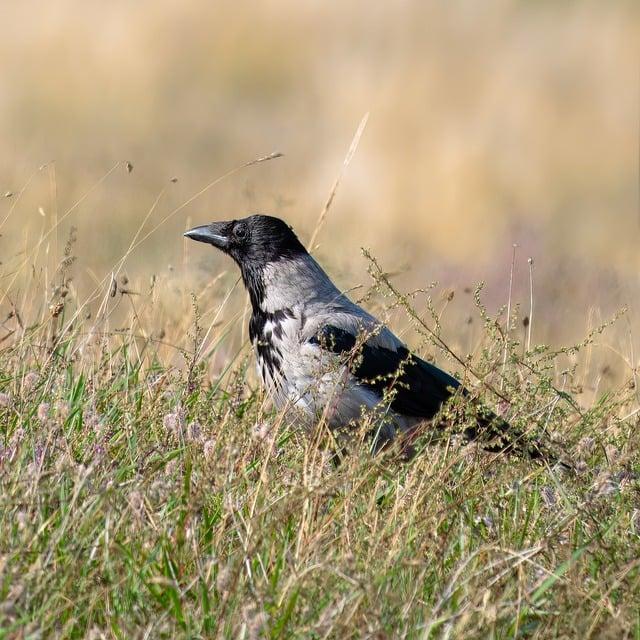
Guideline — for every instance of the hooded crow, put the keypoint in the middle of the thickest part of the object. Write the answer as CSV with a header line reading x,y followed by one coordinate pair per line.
x,y
325,356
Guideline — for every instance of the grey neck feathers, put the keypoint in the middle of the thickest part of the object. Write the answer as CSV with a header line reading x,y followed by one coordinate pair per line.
x,y
287,283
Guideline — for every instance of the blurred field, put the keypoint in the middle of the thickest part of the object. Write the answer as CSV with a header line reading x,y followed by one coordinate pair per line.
x,y
491,124
147,489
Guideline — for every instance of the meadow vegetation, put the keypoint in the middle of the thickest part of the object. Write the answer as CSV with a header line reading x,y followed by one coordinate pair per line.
x,y
149,489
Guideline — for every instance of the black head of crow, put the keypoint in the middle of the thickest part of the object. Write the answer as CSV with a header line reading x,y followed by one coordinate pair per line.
x,y
257,239
254,243
322,355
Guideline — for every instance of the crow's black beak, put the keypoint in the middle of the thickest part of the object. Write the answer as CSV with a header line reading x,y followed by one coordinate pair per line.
x,y
211,234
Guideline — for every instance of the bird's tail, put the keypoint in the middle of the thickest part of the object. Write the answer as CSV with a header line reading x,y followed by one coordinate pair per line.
x,y
496,435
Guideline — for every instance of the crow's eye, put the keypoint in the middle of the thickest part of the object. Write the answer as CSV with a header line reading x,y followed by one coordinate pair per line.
x,y
240,231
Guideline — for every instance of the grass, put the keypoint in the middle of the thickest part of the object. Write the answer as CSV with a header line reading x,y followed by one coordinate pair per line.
x,y
149,490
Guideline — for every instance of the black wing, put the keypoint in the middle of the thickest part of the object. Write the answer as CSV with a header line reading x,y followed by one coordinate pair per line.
x,y
420,389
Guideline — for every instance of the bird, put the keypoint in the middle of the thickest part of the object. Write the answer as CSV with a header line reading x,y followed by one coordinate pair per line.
x,y
326,358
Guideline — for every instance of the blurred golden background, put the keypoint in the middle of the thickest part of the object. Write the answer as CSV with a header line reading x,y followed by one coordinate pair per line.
x,y
491,124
